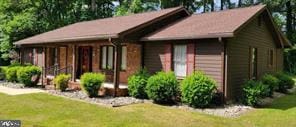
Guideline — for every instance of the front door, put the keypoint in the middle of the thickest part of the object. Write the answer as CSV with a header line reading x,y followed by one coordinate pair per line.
x,y
85,60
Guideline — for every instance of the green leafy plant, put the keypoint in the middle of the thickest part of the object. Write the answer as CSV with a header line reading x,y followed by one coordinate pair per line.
x,y
61,81
285,82
198,90
11,73
3,70
271,82
91,83
29,75
253,91
137,84
162,87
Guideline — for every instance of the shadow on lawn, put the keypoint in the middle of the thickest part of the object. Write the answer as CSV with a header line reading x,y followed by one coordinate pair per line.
x,y
284,103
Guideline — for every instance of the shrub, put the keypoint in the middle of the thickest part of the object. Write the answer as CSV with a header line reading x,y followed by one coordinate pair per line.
x,y
91,83
253,91
137,84
285,82
290,60
61,81
3,72
11,73
15,64
198,90
162,87
271,82
29,75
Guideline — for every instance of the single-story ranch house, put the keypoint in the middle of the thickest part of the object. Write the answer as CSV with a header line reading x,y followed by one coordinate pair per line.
x,y
230,46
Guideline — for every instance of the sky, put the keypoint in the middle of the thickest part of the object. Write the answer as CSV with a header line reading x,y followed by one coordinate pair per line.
x,y
217,4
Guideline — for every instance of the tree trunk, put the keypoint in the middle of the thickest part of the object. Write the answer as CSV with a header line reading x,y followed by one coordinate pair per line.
x,y
212,5
204,6
289,19
222,5
120,2
239,3
93,5
229,4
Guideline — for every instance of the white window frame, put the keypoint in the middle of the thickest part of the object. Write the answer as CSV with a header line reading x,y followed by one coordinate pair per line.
x,y
180,60
123,58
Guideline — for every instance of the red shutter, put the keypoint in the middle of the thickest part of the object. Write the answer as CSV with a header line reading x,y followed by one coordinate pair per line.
x,y
167,58
190,58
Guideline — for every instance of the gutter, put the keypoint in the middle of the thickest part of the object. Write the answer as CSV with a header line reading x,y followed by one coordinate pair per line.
x,y
73,39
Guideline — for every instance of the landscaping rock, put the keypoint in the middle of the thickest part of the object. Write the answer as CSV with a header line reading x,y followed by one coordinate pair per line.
x,y
107,100
12,85
224,111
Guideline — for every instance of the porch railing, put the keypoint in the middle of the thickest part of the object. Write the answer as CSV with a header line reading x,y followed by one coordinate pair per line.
x,y
56,70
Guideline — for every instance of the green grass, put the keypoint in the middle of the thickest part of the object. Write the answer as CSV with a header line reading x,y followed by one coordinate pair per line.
x,y
42,110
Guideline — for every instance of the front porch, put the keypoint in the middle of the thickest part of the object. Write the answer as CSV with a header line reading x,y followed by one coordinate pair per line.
x,y
116,61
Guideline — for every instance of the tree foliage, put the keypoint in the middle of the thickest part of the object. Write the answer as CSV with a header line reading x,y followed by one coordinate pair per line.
x,y
24,18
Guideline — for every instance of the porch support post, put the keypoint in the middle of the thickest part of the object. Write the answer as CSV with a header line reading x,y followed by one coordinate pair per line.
x,y
21,55
117,61
74,62
44,60
43,65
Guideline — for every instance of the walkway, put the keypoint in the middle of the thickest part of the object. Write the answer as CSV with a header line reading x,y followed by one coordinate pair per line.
x,y
14,91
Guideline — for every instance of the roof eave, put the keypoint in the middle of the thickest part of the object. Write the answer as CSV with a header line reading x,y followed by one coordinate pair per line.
x,y
74,39
208,36
126,32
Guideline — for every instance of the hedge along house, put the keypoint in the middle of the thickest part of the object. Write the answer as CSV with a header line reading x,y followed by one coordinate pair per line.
x,y
230,46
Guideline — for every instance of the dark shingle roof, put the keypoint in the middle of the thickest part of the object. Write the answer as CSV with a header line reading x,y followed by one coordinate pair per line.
x,y
207,25
97,29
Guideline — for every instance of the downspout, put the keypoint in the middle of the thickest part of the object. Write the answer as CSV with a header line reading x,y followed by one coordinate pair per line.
x,y
224,68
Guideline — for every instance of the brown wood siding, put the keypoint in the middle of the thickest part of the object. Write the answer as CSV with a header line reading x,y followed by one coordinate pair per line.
x,y
62,57
279,59
209,59
253,35
27,55
39,57
154,56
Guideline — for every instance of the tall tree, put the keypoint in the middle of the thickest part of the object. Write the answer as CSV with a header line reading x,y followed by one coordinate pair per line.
x,y
289,19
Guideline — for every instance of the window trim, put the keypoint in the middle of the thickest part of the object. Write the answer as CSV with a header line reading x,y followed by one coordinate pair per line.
x,y
125,59
270,59
173,59
107,57
251,66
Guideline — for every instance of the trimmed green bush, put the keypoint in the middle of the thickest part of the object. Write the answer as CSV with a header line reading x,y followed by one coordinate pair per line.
x,y
198,90
91,83
137,84
3,72
272,83
11,73
285,82
29,75
162,87
253,91
16,64
61,81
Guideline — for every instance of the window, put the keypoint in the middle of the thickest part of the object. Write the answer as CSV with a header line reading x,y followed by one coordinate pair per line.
x,y
107,57
180,58
270,57
123,58
253,63
53,56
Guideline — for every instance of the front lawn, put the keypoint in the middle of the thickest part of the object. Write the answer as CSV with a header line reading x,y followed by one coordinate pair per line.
x,y
47,110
